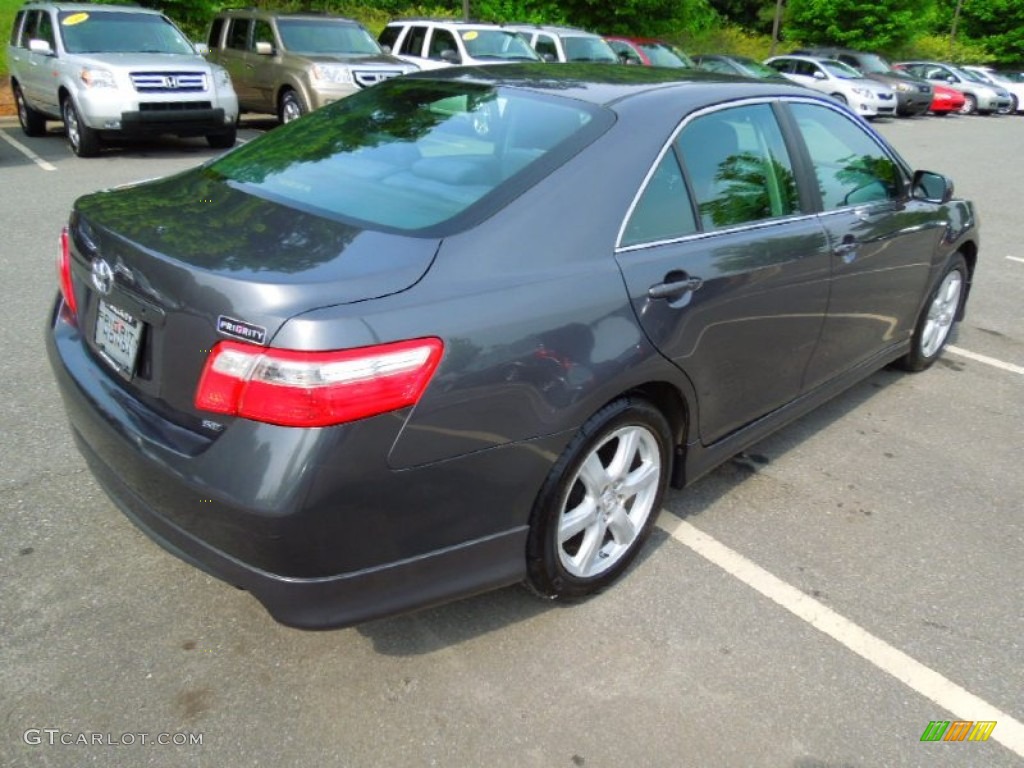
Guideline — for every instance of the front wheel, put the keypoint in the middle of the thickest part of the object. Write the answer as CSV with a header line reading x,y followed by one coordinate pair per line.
x,y
32,123
224,140
290,107
937,318
600,500
83,140
970,106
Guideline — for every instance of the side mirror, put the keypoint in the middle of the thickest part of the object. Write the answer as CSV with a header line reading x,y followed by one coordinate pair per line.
x,y
386,48
40,46
265,49
951,79
201,48
819,75
933,187
452,57
549,57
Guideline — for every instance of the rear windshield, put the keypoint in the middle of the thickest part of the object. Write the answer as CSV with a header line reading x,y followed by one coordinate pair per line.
x,y
323,36
412,154
120,32
662,55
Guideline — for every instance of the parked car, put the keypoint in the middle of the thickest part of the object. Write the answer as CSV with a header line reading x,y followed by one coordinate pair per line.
x,y
736,65
979,97
1014,87
840,81
351,366
648,52
110,71
566,44
290,63
946,100
913,94
437,43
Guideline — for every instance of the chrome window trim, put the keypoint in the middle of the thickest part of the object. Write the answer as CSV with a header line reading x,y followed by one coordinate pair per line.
x,y
620,248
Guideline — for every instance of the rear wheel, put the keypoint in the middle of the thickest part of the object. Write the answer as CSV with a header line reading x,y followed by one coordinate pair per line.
x,y
938,317
600,501
83,140
290,107
970,106
32,123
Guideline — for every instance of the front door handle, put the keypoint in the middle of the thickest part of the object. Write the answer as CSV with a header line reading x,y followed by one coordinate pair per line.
x,y
675,285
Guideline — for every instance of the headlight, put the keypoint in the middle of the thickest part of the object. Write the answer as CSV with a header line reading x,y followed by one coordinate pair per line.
x,y
903,87
221,77
332,73
97,78
862,92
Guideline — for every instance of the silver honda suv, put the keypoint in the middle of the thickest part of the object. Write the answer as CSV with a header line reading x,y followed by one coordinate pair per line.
x,y
109,70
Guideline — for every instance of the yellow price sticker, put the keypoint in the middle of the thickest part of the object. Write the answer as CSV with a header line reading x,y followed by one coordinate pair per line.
x,y
471,35
75,18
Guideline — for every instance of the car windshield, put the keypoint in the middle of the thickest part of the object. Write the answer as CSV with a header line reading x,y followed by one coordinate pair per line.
x,y
840,70
579,48
756,68
409,154
967,74
120,32
325,36
662,55
873,64
498,44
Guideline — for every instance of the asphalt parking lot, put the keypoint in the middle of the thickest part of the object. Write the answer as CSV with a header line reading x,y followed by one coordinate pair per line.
x,y
815,603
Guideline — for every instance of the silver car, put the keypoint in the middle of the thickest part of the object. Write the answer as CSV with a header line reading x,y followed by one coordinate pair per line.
x,y
843,83
979,96
108,70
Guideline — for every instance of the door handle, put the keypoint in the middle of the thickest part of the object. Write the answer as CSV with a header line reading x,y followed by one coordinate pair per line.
x,y
675,285
847,249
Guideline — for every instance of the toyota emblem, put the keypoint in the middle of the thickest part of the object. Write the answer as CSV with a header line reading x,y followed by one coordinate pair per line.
x,y
102,276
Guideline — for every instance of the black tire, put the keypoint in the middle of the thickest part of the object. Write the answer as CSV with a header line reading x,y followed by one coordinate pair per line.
x,y
290,107
970,106
631,438
938,317
83,140
224,140
32,123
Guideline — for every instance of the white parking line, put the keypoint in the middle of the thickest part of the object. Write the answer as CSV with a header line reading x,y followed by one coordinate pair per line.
x,y
986,360
27,152
927,682
1016,258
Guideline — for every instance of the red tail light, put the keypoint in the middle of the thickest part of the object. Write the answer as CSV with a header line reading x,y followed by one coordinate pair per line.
x,y
315,389
67,290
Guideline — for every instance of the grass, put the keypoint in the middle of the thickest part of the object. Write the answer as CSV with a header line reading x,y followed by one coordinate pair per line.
x,y
7,10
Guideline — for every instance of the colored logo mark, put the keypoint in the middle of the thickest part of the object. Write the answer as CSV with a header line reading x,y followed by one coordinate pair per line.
x,y
958,730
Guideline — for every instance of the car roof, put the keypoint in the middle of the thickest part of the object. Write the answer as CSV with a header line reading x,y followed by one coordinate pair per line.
x,y
553,29
638,40
87,7
602,85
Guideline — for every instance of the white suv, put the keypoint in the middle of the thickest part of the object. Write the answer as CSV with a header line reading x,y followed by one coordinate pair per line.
x,y
436,43
566,44
114,70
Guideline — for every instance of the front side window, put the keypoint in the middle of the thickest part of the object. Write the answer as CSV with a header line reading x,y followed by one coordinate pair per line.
x,y
389,36
738,167
44,30
851,167
442,44
238,34
546,47
120,32
409,155
263,33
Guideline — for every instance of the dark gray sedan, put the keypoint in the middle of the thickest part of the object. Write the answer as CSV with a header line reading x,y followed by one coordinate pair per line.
x,y
379,359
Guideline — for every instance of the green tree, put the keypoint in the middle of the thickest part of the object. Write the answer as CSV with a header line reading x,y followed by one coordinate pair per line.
x,y
1000,23
874,25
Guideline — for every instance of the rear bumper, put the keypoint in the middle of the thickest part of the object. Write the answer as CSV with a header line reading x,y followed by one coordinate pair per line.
x,y
312,522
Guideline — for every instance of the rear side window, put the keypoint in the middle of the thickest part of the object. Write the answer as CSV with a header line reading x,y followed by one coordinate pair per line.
x,y
851,167
738,167
545,46
412,155
664,211
414,40
16,29
216,28
389,36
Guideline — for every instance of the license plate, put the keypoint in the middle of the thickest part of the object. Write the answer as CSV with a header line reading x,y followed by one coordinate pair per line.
x,y
117,336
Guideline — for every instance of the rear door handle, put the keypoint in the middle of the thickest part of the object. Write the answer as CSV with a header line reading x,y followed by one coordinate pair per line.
x,y
675,285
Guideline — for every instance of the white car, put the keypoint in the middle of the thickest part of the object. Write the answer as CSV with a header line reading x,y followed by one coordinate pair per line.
x,y
868,98
990,76
437,43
